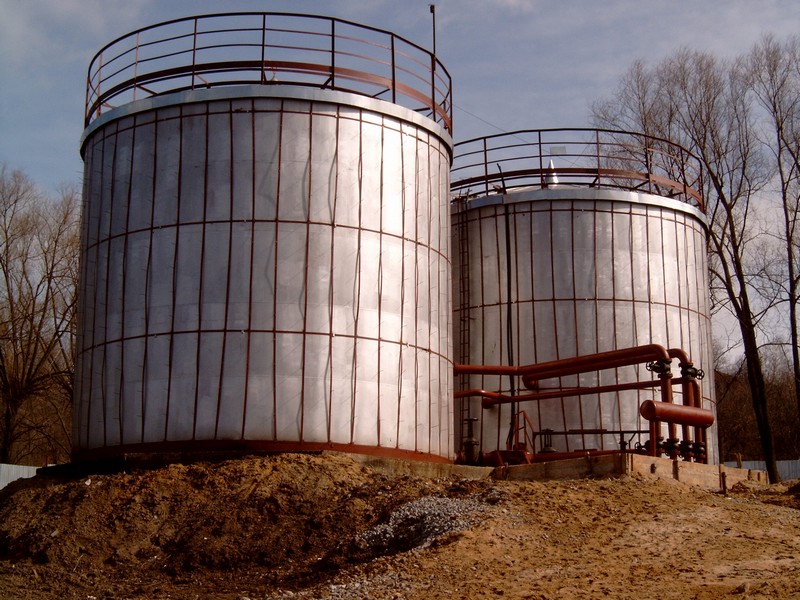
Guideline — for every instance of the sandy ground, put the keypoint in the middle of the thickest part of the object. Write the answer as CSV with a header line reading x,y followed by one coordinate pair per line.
x,y
310,526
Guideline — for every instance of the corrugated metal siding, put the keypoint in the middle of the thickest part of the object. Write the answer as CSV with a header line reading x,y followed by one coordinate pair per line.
x,y
266,271
592,271
787,469
9,473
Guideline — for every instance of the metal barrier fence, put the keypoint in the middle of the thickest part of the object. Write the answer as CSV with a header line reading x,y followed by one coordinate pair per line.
x,y
268,49
597,158
787,469
9,473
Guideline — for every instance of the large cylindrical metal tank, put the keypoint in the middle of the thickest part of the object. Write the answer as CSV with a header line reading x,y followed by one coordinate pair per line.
x,y
569,243
265,242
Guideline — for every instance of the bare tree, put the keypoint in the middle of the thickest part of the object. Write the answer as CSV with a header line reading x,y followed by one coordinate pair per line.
x,y
38,273
738,432
774,70
698,102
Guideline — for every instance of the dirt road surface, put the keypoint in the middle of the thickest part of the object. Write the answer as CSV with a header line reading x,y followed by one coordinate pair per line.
x,y
323,526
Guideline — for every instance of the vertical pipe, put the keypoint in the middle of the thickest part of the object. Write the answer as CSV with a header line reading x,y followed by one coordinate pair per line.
x,y
175,271
655,426
666,396
688,400
433,16
201,282
123,308
509,314
251,269
112,190
274,379
147,278
400,365
433,65
228,271
306,250
332,282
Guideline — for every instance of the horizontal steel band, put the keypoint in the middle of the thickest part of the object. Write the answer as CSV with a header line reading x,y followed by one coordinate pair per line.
x,y
201,447
286,92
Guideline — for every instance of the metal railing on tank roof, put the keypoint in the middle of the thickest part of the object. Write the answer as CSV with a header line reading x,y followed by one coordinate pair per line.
x,y
268,49
570,158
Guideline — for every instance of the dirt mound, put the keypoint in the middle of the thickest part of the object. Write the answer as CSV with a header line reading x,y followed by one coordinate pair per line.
x,y
323,526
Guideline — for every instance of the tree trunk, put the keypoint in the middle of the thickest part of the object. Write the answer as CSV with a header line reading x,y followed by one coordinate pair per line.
x,y
7,437
758,393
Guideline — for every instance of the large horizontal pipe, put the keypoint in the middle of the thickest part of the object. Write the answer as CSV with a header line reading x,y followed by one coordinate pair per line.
x,y
493,398
676,413
573,366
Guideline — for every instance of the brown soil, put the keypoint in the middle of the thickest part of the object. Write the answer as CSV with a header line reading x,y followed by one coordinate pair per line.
x,y
322,526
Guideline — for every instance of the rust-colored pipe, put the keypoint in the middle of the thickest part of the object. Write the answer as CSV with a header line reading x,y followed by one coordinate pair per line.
x,y
530,383
680,354
497,397
572,366
493,398
692,395
676,413
666,399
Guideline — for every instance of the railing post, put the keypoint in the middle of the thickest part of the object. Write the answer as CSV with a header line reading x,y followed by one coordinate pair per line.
x,y
156,56
333,53
598,164
448,111
684,179
485,167
541,161
394,70
136,66
263,47
87,111
194,51
648,166
433,87
99,85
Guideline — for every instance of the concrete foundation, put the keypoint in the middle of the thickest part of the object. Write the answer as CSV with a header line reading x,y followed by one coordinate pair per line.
x,y
711,477
716,478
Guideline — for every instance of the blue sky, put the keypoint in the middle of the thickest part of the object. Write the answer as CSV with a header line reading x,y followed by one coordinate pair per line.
x,y
515,64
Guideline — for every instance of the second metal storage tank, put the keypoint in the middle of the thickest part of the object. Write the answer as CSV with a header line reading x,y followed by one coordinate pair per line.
x,y
569,243
265,241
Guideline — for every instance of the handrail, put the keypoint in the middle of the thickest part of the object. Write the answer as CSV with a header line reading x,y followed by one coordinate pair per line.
x,y
569,158
266,48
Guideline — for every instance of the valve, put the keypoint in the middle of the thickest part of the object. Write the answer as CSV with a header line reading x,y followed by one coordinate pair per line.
x,y
690,371
671,447
699,450
469,443
660,367
648,444
686,449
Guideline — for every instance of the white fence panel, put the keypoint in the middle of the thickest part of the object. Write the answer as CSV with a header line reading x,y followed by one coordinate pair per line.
x,y
787,469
